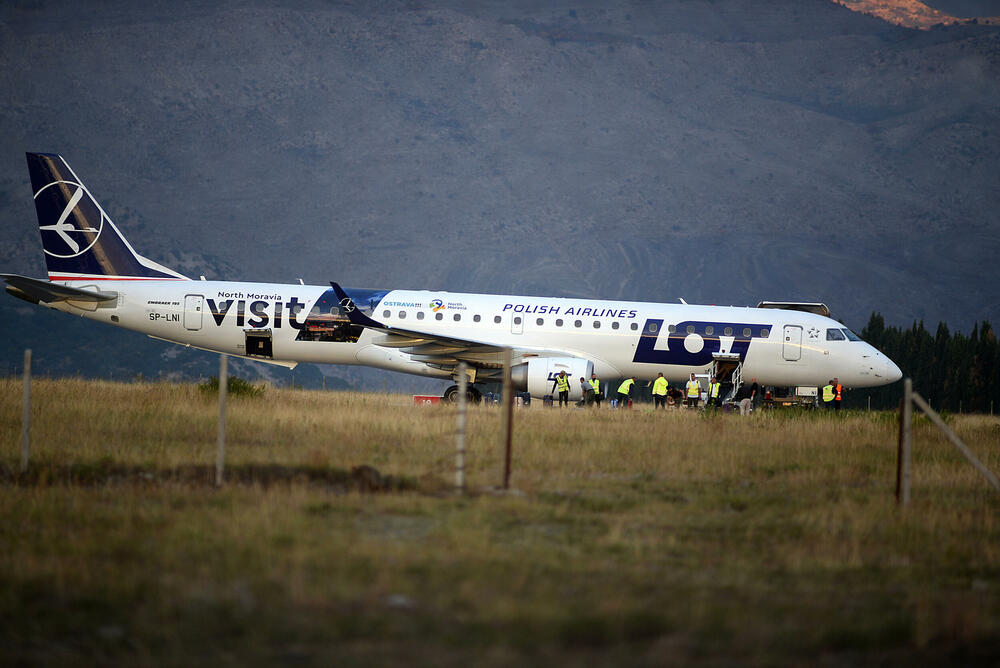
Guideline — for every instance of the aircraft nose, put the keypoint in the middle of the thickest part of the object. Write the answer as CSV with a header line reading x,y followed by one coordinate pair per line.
x,y
892,372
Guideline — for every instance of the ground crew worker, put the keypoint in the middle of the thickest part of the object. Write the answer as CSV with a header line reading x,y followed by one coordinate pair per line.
x,y
693,389
561,383
838,393
713,393
588,392
596,384
660,391
828,394
624,390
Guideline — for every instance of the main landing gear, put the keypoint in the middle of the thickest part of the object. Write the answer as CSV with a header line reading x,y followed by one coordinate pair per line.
x,y
471,394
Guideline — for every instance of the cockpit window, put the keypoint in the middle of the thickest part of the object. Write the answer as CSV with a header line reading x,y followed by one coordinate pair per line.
x,y
851,335
834,335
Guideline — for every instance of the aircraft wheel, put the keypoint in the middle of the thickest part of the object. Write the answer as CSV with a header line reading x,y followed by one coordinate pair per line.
x,y
472,395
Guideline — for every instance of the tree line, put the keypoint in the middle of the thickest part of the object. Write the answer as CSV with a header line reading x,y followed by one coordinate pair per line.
x,y
953,371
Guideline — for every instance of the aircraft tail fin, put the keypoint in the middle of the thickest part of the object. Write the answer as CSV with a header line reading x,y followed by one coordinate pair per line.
x,y
78,237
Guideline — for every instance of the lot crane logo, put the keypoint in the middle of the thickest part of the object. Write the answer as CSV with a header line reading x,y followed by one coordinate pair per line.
x,y
346,305
436,305
75,212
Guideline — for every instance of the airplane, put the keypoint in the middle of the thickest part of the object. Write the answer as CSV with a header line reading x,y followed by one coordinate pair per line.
x,y
95,273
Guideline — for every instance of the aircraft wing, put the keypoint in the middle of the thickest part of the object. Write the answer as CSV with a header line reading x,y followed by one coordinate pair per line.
x,y
435,349
35,290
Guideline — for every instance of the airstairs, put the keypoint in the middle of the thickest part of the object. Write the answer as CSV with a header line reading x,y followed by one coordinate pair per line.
x,y
728,369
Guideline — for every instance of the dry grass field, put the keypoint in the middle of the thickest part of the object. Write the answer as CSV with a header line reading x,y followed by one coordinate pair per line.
x,y
634,538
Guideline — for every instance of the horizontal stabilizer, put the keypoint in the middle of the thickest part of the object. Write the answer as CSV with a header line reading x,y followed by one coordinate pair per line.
x,y
36,290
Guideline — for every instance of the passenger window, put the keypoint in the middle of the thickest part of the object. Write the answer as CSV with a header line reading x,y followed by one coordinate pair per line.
x,y
634,326
615,325
597,324
402,314
559,322
746,331
458,316
690,329
496,319
728,331
652,326
420,315
386,313
834,335
517,320
540,322
765,333
476,318
851,335
710,330
577,323
439,316
671,328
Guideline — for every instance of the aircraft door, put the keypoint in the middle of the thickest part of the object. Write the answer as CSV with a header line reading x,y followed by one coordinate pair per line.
x,y
194,305
516,323
791,347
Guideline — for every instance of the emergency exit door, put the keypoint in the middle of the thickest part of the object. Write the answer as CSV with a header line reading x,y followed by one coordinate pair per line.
x,y
516,324
193,307
791,347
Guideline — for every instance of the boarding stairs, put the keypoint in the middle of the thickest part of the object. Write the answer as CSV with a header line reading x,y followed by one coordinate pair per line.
x,y
728,369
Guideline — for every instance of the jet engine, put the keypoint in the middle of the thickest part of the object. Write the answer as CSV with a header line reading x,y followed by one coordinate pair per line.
x,y
538,374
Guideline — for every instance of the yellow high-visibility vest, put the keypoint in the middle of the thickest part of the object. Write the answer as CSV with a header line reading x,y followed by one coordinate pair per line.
x,y
828,393
713,390
660,385
625,386
562,383
596,384
693,388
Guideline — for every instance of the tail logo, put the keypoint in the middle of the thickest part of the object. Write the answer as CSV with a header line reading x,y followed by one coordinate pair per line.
x,y
71,235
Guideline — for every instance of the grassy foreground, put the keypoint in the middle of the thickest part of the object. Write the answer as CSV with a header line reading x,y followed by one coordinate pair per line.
x,y
639,538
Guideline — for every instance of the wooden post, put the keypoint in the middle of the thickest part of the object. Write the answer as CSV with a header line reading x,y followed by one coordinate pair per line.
x,y
906,439
956,441
508,400
460,434
220,454
26,414
899,456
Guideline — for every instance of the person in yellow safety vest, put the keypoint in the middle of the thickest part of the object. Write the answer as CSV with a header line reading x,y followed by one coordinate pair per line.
x,y
713,393
693,392
838,393
596,384
828,395
561,383
624,390
660,391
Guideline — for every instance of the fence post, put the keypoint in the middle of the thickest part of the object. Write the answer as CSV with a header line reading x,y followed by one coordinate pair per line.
x,y
508,424
26,414
460,434
906,441
220,453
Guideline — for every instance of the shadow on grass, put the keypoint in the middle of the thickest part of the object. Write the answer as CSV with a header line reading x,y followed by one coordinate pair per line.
x,y
104,473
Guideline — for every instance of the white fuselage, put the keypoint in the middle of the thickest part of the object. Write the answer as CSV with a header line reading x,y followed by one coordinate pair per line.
x,y
778,347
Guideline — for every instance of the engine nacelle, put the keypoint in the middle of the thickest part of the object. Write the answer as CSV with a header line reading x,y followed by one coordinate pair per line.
x,y
538,374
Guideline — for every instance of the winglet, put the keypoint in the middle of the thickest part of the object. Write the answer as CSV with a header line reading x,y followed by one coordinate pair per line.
x,y
354,314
